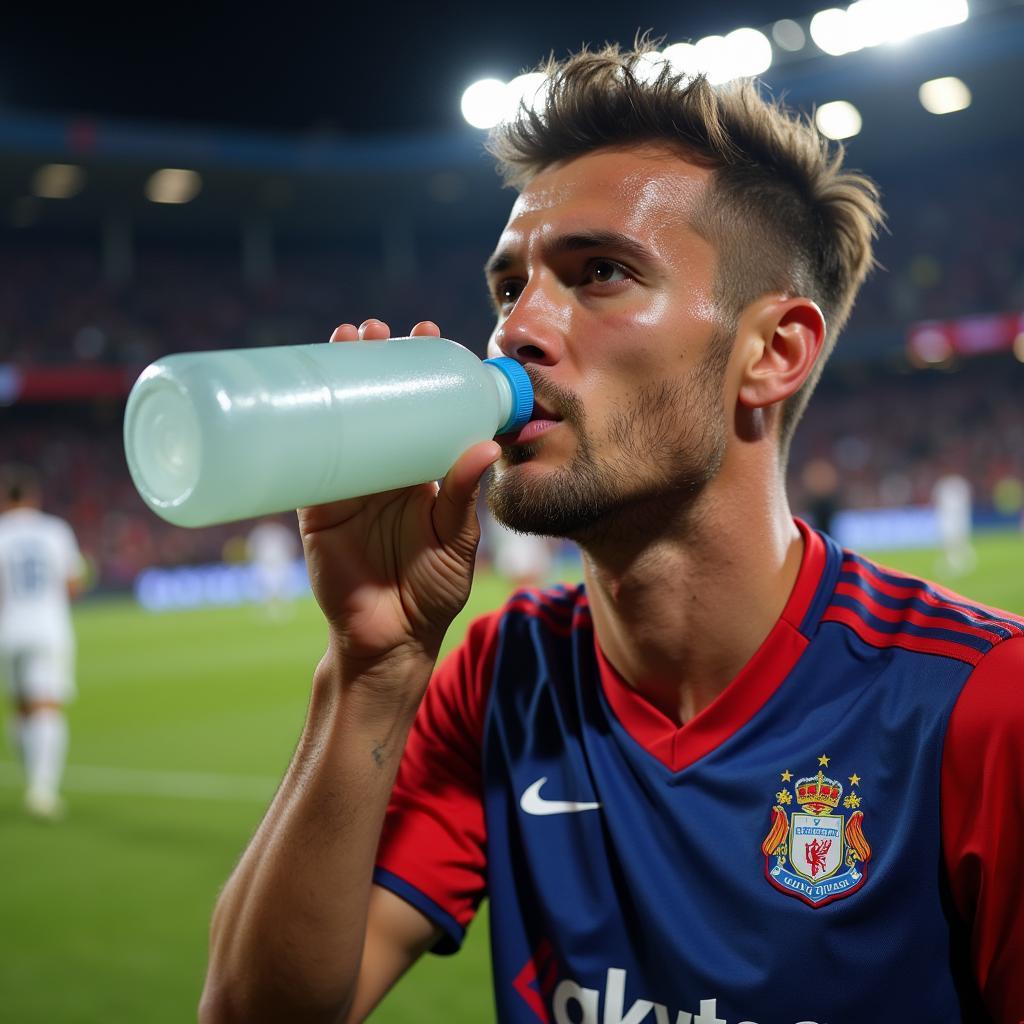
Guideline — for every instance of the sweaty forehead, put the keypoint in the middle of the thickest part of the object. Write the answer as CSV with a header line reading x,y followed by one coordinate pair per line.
x,y
637,190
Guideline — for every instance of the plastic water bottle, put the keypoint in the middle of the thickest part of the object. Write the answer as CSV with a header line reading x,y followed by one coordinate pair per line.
x,y
213,437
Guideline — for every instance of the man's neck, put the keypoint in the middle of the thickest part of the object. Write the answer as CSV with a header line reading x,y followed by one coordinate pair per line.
x,y
680,616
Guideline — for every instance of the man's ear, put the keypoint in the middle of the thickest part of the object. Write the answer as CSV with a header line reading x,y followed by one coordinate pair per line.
x,y
781,340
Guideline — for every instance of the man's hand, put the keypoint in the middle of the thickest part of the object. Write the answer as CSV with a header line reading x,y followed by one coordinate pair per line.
x,y
390,571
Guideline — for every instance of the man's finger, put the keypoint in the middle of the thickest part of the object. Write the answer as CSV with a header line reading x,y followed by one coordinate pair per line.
x,y
425,329
374,330
455,508
345,332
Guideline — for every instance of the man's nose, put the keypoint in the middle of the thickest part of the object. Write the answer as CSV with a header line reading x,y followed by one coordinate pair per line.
x,y
534,330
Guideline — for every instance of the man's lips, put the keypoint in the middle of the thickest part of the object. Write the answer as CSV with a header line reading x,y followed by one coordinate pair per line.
x,y
532,430
542,419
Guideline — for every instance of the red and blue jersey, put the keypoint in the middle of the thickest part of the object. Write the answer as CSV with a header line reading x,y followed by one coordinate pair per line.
x,y
838,837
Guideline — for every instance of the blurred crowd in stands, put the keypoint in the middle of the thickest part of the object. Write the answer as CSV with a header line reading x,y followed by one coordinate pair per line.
x,y
886,435
56,307
951,249
889,436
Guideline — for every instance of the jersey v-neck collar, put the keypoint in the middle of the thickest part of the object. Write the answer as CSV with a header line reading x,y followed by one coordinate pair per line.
x,y
677,747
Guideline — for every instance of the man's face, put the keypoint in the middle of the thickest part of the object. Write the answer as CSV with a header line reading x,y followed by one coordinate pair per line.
x,y
605,293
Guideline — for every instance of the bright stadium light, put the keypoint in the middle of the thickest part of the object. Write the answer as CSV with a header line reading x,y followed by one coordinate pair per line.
x,y
830,32
711,57
648,66
874,22
741,54
789,35
871,24
173,185
527,90
58,181
838,120
943,13
682,58
749,52
483,103
944,95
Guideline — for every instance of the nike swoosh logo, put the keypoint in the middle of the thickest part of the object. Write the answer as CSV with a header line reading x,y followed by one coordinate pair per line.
x,y
533,803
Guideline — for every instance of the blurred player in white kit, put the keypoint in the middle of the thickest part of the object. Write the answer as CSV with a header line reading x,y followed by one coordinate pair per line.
x,y
272,548
41,570
951,497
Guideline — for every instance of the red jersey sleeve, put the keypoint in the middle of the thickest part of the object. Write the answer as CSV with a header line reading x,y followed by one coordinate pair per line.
x,y
431,850
983,824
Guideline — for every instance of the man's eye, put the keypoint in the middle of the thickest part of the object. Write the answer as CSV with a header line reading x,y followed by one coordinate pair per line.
x,y
604,271
506,292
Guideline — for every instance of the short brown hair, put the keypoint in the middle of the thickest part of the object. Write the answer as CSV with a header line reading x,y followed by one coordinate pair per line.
x,y
781,211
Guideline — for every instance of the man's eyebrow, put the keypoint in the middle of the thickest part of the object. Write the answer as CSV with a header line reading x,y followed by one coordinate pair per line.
x,y
498,262
576,242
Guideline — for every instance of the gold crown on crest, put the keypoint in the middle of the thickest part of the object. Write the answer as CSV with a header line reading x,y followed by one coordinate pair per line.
x,y
818,794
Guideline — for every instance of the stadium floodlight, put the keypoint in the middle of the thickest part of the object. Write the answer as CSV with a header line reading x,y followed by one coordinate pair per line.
x,y
874,22
749,52
484,102
831,33
838,120
871,23
174,185
711,58
681,57
58,181
648,66
740,54
789,35
944,95
529,91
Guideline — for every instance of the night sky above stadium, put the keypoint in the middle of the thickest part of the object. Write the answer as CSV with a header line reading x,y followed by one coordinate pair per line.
x,y
349,69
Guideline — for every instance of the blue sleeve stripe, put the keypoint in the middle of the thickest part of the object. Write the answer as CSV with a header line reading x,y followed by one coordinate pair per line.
x,y
910,628
912,600
454,933
914,584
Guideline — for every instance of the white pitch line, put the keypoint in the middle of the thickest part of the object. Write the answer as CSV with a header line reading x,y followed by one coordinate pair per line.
x,y
83,778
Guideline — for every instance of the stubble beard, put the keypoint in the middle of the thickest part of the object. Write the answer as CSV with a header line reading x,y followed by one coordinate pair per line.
x,y
668,444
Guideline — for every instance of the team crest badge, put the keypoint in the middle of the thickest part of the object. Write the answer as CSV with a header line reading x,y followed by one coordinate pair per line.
x,y
817,852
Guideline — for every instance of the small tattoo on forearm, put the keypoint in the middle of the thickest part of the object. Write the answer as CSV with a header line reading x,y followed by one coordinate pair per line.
x,y
378,754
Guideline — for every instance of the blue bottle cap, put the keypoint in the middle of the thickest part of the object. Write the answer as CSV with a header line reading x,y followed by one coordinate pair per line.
x,y
522,393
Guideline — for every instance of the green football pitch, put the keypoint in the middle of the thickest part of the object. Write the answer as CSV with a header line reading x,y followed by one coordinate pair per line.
x,y
184,724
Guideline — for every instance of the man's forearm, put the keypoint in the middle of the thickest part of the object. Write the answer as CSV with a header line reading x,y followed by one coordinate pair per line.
x,y
289,927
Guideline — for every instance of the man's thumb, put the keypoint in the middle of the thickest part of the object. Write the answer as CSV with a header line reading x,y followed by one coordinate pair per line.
x,y
455,507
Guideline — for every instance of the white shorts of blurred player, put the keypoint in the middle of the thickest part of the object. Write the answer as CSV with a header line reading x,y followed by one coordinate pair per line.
x,y
39,674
